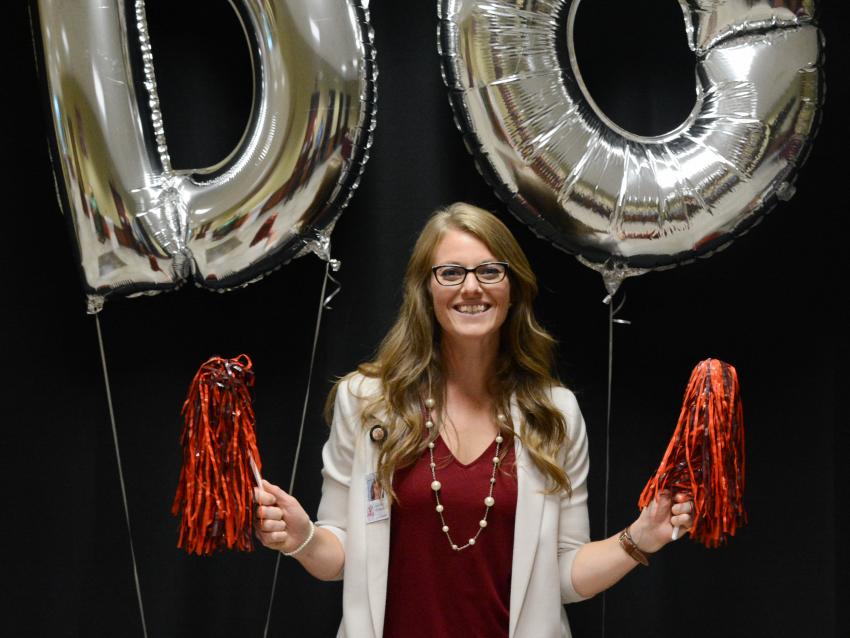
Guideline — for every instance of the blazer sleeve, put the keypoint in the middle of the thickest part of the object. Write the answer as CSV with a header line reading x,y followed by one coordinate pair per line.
x,y
337,459
574,525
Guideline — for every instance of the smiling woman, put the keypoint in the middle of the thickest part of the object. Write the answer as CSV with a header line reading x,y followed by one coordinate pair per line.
x,y
483,462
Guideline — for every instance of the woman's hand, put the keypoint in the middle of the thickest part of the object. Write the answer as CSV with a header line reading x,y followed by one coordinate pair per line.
x,y
281,523
654,527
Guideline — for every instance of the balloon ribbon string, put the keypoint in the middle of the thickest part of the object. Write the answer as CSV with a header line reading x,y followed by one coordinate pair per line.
x,y
608,415
612,312
120,474
323,301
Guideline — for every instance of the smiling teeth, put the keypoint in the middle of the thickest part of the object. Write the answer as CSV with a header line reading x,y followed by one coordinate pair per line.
x,y
472,309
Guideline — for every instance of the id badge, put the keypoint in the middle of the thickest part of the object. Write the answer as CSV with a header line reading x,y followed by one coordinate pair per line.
x,y
376,500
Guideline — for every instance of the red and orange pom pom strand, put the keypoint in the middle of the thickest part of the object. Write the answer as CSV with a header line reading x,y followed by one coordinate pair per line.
x,y
705,457
215,491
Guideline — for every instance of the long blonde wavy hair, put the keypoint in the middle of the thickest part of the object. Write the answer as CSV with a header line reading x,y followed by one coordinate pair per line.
x,y
409,367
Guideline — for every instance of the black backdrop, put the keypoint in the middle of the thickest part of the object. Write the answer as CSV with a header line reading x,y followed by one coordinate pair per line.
x,y
770,304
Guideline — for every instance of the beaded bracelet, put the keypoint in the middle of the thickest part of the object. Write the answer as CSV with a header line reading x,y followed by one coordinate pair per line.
x,y
304,544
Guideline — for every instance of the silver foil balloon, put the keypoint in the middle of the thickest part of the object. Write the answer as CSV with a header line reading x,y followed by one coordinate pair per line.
x,y
625,203
142,226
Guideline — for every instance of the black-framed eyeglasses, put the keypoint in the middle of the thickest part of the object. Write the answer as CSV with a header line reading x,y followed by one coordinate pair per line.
x,y
490,272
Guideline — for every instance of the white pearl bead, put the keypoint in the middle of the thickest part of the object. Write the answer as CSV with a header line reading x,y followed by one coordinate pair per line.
x,y
501,417
431,445
472,541
435,485
493,480
482,523
454,547
445,528
433,465
489,501
439,508
499,439
429,402
495,460
429,424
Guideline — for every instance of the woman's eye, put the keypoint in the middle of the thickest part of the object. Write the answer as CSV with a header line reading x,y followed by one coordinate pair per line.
x,y
451,273
489,271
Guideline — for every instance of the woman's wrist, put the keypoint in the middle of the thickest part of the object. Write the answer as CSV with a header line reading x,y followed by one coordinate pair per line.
x,y
627,542
643,540
304,543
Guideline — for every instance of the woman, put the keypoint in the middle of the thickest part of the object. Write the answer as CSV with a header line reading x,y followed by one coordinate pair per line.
x,y
481,456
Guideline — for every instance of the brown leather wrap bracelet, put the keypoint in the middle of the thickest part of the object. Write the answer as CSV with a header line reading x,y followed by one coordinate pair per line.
x,y
630,547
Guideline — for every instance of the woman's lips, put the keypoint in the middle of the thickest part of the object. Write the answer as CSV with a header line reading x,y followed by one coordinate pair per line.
x,y
472,309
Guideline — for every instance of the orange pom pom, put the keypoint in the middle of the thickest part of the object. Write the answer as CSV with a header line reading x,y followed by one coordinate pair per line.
x,y
214,493
706,455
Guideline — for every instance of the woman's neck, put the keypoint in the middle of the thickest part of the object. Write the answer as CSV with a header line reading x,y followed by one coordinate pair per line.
x,y
469,367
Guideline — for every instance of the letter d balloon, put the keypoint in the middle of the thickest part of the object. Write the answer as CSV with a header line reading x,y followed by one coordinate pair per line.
x,y
139,225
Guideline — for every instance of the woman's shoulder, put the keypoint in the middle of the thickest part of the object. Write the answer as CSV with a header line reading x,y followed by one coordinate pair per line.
x,y
357,386
563,397
565,400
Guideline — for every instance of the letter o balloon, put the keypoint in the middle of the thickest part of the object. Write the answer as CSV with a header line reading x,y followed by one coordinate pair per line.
x,y
625,203
141,226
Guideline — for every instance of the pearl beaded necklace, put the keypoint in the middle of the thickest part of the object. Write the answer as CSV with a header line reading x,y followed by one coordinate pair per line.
x,y
489,501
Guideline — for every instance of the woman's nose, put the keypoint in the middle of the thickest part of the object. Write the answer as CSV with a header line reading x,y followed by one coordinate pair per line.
x,y
471,283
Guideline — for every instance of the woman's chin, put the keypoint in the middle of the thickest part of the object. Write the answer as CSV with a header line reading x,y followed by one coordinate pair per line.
x,y
472,332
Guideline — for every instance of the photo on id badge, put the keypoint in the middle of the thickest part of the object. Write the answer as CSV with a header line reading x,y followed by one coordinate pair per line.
x,y
376,501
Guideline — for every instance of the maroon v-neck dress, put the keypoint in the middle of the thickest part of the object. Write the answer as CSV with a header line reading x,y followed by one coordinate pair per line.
x,y
433,590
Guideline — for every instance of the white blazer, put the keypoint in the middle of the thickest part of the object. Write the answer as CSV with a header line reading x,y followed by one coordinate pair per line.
x,y
548,532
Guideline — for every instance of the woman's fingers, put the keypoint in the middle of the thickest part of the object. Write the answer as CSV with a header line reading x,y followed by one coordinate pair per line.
x,y
269,513
271,494
682,511
275,491
272,540
277,538
683,508
262,497
683,520
271,525
271,531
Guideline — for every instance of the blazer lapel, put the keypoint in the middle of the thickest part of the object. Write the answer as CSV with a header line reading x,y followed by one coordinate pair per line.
x,y
377,552
529,511
377,564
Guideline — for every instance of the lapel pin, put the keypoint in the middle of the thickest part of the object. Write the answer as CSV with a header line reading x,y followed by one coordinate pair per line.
x,y
378,433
